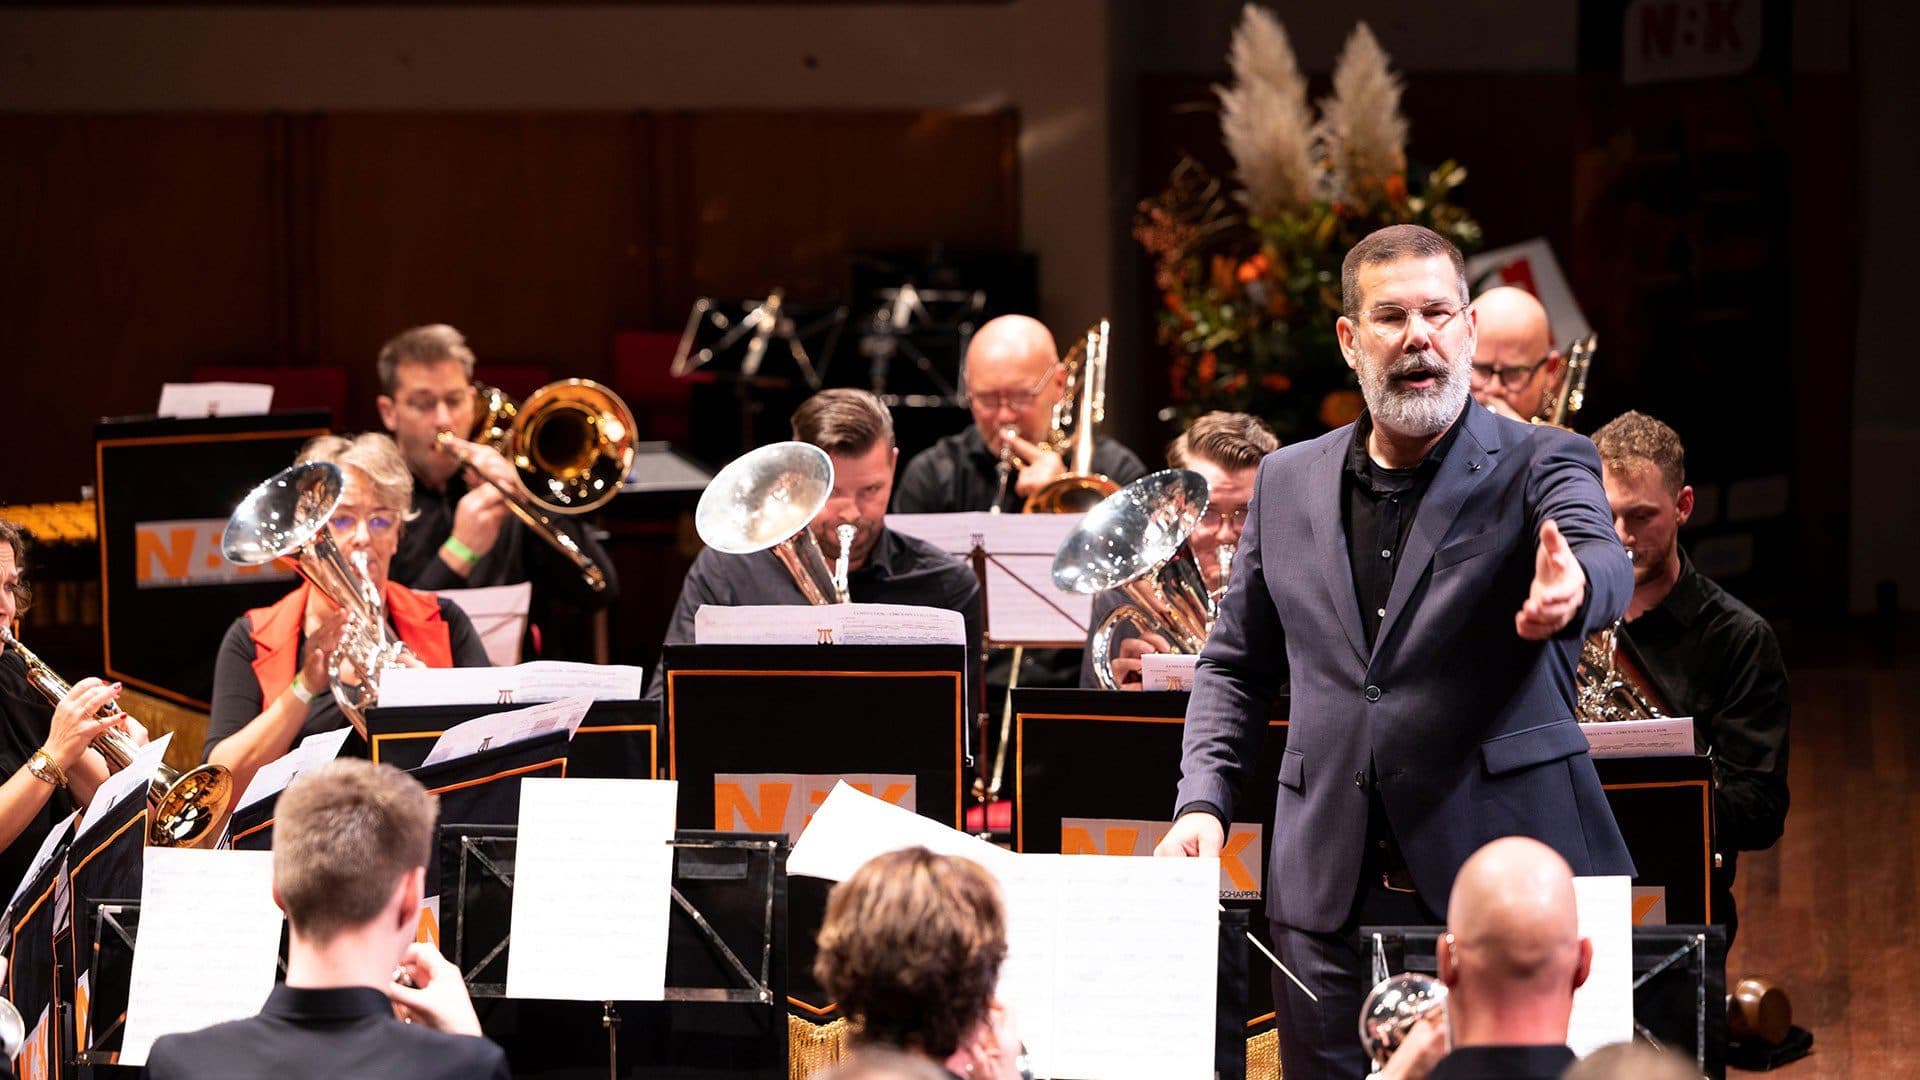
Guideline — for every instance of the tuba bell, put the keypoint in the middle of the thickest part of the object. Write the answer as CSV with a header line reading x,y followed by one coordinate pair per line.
x,y
286,516
766,499
1076,416
571,444
182,809
1135,540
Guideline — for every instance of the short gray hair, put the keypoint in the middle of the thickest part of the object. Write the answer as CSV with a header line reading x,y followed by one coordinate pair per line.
x,y
372,453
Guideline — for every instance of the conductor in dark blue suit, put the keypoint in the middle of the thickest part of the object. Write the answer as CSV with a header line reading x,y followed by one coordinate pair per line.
x,y
1423,578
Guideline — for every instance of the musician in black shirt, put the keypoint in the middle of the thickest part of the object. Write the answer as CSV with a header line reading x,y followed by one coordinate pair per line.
x,y
1708,655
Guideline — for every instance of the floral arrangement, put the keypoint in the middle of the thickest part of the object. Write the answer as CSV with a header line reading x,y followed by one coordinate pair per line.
x,y
1250,278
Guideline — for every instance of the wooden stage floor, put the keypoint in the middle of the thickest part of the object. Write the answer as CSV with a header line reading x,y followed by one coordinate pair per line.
x,y
1831,910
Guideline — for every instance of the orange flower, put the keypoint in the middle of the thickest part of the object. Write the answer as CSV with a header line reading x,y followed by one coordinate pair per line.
x,y
1223,274
1341,407
1174,305
1276,382
1253,268
1209,367
1396,186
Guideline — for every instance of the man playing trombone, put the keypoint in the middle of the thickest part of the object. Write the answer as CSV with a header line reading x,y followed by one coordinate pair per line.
x,y
883,566
462,534
1516,370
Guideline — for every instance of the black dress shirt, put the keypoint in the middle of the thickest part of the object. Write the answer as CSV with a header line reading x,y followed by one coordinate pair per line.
x,y
959,473
236,689
899,570
341,1031
1378,513
1503,1063
25,717
1711,657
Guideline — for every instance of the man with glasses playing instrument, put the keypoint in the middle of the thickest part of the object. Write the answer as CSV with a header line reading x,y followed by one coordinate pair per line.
x,y
1516,370
1421,581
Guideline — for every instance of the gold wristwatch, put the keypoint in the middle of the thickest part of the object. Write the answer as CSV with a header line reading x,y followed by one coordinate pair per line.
x,y
47,770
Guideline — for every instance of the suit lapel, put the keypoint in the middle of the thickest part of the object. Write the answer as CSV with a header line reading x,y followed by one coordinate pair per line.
x,y
1330,539
1464,466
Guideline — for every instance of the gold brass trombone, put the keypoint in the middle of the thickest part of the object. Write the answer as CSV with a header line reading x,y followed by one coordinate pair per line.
x,y
1573,387
182,808
571,444
1076,417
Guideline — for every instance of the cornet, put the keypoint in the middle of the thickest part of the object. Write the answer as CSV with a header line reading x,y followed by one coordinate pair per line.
x,y
287,515
1136,541
182,809
765,500
1393,1007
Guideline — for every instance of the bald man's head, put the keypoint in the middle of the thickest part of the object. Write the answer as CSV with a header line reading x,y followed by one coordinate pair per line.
x,y
1513,954
1013,378
1513,334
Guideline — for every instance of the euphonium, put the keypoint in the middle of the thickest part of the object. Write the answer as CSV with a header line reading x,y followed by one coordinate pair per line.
x,y
765,499
1135,540
1076,416
287,516
571,444
181,810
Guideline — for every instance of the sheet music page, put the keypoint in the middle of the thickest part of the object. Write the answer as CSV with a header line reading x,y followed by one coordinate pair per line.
x,y
209,942
823,624
542,680
506,728
314,751
193,401
131,780
1030,891
47,845
851,827
1023,606
1661,736
1167,671
1603,1006
591,890
499,616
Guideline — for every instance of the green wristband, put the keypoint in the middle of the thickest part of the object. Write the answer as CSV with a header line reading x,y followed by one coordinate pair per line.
x,y
460,551
299,687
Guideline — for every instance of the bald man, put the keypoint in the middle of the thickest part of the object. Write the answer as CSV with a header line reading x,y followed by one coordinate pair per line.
x,y
1512,957
1013,378
1516,369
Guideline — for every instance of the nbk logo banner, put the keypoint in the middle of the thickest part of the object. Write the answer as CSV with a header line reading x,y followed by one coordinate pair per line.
x,y
169,554
1239,858
785,802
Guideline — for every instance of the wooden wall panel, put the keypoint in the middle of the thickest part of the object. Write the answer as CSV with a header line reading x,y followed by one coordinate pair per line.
x,y
131,248
522,230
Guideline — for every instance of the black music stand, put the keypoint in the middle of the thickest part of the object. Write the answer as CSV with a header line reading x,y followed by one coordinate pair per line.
x,y
725,949
1679,983
616,738
766,348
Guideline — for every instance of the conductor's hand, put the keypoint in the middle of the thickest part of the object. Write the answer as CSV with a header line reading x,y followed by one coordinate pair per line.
x,y
1196,835
1043,466
1559,588
437,998
1126,664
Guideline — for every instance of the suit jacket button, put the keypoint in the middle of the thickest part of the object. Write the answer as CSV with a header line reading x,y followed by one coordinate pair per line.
x,y
1373,693
1360,780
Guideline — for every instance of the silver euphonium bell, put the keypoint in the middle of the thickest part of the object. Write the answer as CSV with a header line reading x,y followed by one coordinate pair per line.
x,y
287,515
1135,540
1393,1007
766,499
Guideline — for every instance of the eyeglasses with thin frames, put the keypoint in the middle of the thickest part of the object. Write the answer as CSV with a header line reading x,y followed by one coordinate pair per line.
x,y
1391,321
1017,400
379,522
1512,376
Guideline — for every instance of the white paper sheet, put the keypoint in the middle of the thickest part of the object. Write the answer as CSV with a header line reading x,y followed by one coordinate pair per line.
x,y
851,827
499,616
591,890
1665,736
209,940
1603,1007
1023,607
47,845
131,780
507,728
828,624
542,680
1167,671
192,401
273,777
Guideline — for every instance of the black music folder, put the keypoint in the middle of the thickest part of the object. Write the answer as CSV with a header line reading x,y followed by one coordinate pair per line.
x,y
619,739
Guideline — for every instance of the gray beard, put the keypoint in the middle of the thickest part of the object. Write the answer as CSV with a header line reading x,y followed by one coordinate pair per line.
x,y
1413,413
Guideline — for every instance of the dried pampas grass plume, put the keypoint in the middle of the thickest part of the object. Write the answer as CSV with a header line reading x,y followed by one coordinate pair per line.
x,y
1362,132
1264,116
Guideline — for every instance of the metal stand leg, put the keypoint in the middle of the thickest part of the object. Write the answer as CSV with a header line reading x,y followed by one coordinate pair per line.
x,y
610,1019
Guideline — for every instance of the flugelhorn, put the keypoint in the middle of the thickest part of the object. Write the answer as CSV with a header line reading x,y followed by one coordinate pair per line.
x,y
571,444
1135,540
764,500
181,809
287,516
1076,418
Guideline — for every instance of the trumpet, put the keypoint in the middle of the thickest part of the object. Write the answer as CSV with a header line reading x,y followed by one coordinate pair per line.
x,y
286,515
571,444
764,500
182,808
1135,540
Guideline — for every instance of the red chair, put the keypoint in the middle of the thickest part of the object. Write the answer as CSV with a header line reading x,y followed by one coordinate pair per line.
x,y
307,387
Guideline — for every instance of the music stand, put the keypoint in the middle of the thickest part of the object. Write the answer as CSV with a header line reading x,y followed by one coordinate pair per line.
x,y
726,930
734,340
905,317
